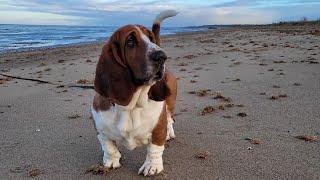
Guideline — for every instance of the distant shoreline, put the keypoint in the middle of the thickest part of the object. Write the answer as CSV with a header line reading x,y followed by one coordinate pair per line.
x,y
87,43
200,29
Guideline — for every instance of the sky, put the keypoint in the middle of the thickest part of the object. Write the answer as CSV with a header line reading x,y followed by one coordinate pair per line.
x,y
120,12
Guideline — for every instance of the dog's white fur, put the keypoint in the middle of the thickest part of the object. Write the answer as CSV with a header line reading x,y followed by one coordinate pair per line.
x,y
131,126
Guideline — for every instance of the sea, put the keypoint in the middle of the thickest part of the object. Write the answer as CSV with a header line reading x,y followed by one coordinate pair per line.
x,y
14,37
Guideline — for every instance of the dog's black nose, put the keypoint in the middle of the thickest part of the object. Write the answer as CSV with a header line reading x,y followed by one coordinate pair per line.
x,y
158,56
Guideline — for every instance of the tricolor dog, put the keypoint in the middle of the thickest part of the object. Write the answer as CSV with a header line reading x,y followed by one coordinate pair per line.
x,y
135,95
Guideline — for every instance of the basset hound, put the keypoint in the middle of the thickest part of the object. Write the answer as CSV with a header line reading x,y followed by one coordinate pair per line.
x,y
135,95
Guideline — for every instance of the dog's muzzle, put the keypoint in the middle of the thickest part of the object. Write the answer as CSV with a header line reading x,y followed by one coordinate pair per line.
x,y
158,57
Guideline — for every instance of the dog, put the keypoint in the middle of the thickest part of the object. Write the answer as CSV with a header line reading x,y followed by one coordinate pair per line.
x,y
135,95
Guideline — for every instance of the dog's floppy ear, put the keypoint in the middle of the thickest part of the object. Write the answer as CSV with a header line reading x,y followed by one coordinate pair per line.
x,y
160,90
115,44
113,80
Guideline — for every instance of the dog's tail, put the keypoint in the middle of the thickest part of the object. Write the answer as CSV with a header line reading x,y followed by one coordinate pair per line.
x,y
157,22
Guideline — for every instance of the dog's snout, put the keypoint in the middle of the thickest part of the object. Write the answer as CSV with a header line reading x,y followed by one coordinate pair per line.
x,y
158,56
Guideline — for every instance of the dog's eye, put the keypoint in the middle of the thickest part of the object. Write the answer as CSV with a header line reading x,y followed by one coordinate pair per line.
x,y
131,42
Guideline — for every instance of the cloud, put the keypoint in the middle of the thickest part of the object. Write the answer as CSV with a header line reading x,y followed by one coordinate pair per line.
x,y
225,15
119,12
21,17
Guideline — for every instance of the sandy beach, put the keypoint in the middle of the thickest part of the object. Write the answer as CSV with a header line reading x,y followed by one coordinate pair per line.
x,y
244,96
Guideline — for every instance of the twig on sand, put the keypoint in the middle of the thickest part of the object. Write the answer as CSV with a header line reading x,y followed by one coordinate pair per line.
x,y
49,82
28,79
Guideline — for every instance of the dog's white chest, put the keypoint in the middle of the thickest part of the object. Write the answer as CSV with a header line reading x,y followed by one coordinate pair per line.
x,y
130,125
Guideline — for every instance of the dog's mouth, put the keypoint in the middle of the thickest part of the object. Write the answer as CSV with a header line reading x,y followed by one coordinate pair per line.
x,y
152,78
159,74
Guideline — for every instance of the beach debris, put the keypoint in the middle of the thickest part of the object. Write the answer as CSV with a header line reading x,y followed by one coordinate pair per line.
x,y
193,81
242,114
283,95
19,169
237,63
61,61
198,68
42,64
313,62
184,110
37,130
279,62
297,84
183,69
274,97
221,97
253,140
191,56
270,69
60,86
83,81
236,79
34,172
207,41
202,155
221,107
201,93
263,64
263,93
178,46
249,148
47,69
315,32
4,80
183,64
307,138
74,116
28,79
207,110
276,86
98,169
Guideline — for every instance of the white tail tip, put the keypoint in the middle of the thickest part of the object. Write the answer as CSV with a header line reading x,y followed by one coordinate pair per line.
x,y
164,15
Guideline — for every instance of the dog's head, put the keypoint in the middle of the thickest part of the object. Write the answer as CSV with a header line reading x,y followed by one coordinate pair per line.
x,y
131,58
133,47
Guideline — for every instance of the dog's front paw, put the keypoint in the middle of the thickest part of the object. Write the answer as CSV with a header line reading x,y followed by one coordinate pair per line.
x,y
150,168
153,164
112,163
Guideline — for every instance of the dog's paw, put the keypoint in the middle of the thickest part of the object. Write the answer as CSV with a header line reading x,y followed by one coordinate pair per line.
x,y
112,162
153,164
149,169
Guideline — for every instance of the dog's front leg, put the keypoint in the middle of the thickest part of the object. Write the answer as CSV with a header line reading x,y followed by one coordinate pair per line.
x,y
111,154
153,163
